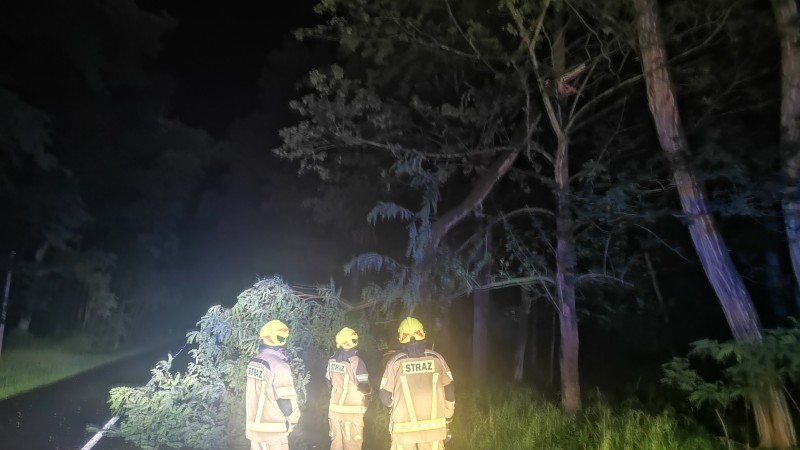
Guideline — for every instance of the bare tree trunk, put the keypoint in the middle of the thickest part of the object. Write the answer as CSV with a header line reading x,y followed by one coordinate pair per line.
x,y
772,417
711,248
551,368
656,288
786,18
566,258
566,262
4,308
24,323
534,329
520,346
480,313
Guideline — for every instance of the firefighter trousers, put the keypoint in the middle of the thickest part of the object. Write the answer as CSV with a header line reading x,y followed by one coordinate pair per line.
x,y
436,445
346,435
278,444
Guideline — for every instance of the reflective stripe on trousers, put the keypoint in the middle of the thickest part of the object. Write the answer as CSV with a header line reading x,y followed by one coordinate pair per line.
x,y
419,425
266,427
435,445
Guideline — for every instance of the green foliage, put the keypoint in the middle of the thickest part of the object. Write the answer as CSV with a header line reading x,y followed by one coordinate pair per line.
x,y
203,407
423,132
516,419
743,367
519,419
461,89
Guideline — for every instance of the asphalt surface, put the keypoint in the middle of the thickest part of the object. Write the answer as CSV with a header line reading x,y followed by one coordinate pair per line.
x,y
55,417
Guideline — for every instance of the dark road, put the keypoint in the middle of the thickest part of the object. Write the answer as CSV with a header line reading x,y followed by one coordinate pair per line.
x,y
55,417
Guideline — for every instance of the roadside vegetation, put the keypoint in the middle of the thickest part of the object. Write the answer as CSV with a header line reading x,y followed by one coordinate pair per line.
x,y
30,362
510,419
518,418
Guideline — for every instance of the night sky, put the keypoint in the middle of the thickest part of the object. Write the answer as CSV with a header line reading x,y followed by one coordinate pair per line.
x,y
216,54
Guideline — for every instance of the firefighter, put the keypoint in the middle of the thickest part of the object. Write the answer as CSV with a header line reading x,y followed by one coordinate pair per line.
x,y
350,393
417,386
271,400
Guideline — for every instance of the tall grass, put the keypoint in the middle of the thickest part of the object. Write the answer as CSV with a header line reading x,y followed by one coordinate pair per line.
x,y
515,419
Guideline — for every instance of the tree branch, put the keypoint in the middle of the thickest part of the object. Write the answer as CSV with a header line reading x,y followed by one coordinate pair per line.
x,y
479,192
519,281
601,277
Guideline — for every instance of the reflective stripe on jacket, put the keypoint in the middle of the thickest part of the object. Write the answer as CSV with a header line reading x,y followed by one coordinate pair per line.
x,y
269,378
419,409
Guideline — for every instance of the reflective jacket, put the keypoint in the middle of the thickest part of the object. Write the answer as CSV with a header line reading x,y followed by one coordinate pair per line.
x,y
347,401
419,409
270,397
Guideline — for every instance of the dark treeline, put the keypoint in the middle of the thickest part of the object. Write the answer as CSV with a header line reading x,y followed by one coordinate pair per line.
x,y
119,199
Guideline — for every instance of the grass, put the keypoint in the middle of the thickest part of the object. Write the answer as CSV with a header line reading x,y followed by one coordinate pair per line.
x,y
513,418
28,362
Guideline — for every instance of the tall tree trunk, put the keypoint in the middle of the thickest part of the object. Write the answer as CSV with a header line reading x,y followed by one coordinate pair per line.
x,y
771,411
566,259
535,326
711,248
480,313
26,317
521,343
786,18
656,288
566,262
6,292
551,366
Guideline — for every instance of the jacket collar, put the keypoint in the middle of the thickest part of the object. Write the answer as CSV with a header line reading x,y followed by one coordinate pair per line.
x,y
275,351
343,354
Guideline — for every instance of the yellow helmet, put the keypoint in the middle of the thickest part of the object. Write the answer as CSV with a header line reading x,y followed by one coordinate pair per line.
x,y
410,327
346,338
274,333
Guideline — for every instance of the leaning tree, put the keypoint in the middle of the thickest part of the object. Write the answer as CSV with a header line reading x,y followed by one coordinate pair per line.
x,y
769,405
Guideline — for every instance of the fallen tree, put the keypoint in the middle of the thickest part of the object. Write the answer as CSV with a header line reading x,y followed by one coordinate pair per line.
x,y
203,407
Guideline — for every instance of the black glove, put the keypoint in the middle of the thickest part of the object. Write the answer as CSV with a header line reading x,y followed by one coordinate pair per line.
x,y
449,429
